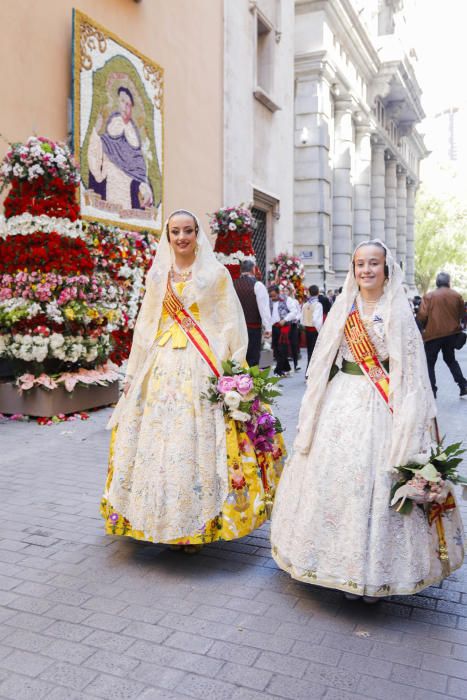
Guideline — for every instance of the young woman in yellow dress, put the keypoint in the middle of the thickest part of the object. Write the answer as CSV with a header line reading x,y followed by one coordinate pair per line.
x,y
179,471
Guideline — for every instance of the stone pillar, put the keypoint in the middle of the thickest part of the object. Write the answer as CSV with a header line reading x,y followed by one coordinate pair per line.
x,y
390,208
312,177
410,254
401,218
362,187
342,190
378,170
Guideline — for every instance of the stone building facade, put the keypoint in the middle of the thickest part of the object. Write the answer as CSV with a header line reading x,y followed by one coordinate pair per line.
x,y
258,117
357,150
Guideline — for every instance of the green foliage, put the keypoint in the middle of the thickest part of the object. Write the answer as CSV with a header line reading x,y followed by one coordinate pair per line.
x,y
440,241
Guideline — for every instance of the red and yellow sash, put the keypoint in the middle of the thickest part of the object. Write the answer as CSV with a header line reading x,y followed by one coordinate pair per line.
x,y
364,354
177,312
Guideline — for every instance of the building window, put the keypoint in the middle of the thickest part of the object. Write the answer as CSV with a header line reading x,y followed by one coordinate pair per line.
x,y
260,240
264,54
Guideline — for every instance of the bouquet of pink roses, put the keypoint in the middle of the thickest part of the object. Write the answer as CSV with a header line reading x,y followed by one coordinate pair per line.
x,y
245,395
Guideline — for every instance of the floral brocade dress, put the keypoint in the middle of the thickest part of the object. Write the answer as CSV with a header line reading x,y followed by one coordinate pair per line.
x,y
173,454
332,525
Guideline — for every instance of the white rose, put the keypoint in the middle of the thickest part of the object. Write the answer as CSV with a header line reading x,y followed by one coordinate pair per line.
x,y
421,458
240,415
232,399
232,227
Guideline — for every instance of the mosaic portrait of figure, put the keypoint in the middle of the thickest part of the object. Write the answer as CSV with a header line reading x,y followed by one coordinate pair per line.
x,y
117,129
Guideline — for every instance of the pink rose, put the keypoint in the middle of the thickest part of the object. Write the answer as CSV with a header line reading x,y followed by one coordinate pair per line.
x,y
244,384
226,384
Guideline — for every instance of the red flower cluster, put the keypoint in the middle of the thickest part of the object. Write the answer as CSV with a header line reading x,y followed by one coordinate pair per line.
x,y
121,342
47,252
229,242
51,197
34,326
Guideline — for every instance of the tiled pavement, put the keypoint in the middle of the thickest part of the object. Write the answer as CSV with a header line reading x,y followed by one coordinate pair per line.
x,y
84,616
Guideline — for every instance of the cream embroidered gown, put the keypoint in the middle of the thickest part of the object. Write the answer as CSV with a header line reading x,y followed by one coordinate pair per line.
x,y
174,462
332,525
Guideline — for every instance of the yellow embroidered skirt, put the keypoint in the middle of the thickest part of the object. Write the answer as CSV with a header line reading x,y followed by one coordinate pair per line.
x,y
245,506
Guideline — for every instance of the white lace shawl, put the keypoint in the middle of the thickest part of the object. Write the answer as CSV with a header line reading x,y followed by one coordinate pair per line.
x,y
410,394
211,288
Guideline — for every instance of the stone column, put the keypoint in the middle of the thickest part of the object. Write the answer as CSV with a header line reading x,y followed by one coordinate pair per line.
x,y
401,217
410,254
378,169
342,190
390,208
312,178
362,187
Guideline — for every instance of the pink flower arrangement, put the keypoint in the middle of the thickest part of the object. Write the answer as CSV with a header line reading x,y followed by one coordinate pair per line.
x,y
242,383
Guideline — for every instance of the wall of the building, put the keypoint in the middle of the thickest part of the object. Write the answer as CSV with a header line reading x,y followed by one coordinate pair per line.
x,y
183,36
357,150
258,143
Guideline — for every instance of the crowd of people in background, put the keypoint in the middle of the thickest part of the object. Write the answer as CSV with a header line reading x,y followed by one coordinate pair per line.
x,y
275,316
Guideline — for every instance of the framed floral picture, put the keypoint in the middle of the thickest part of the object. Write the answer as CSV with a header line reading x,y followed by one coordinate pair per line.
x,y
117,129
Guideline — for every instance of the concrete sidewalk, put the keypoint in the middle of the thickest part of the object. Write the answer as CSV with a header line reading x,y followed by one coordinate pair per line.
x,y
86,616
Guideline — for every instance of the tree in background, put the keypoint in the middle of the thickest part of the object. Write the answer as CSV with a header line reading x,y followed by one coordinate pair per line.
x,y
440,241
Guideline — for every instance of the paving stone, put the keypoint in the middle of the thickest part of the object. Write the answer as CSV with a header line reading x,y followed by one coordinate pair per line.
x,y
102,621
29,641
142,614
419,678
108,640
152,674
234,652
64,650
250,677
401,655
176,658
189,642
26,663
314,652
68,613
143,630
205,688
111,663
457,687
379,689
69,631
75,677
451,667
371,667
295,689
20,688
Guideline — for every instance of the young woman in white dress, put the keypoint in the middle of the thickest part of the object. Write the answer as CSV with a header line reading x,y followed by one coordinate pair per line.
x,y
332,525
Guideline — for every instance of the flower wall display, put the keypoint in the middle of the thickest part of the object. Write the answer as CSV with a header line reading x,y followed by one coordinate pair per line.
x,y
57,309
233,227
288,272
125,256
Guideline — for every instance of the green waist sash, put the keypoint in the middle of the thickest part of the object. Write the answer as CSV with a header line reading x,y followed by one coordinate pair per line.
x,y
352,368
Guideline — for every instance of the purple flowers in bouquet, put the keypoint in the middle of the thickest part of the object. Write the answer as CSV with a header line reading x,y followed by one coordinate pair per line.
x,y
245,396
261,429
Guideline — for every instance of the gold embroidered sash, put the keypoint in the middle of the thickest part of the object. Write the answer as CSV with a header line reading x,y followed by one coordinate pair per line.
x,y
364,354
174,307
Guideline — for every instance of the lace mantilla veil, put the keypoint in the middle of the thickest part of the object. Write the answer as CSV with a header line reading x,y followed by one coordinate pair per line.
x,y
211,288
410,393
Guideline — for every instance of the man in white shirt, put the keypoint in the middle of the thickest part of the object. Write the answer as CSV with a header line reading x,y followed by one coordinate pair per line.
x,y
312,319
283,312
294,335
254,299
